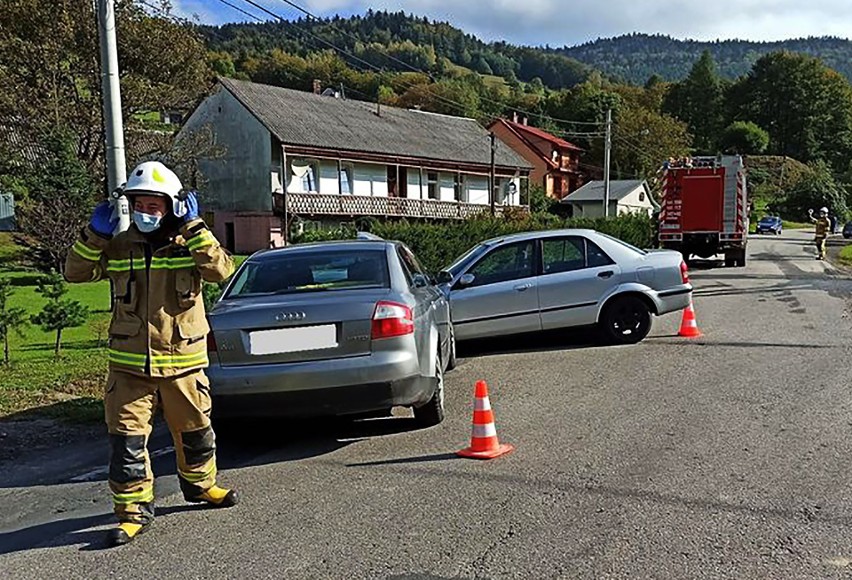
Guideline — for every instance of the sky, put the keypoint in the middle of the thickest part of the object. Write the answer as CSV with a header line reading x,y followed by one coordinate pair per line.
x,y
570,22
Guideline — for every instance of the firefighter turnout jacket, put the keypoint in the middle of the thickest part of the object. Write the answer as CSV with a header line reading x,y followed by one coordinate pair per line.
x,y
823,226
158,326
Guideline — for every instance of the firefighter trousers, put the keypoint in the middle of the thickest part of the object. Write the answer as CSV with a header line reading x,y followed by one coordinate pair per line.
x,y
820,244
129,404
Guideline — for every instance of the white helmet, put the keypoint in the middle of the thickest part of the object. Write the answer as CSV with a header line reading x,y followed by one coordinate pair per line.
x,y
154,178
824,210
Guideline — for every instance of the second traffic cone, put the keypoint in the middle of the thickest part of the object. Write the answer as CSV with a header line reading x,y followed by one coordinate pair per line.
x,y
688,326
483,440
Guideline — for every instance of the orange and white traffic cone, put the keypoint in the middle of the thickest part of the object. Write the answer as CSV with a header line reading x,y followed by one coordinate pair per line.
x,y
688,326
483,440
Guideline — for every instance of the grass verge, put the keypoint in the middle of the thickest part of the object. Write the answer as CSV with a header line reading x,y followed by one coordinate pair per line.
x,y
845,257
797,225
36,383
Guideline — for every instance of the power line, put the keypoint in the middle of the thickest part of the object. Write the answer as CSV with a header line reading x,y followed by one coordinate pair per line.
x,y
648,156
461,107
238,9
176,19
352,36
413,68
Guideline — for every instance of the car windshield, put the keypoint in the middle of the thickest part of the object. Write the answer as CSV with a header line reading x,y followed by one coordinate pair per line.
x,y
768,220
623,243
311,271
461,263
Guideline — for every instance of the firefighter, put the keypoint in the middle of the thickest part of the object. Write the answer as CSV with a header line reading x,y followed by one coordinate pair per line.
x,y
157,347
823,227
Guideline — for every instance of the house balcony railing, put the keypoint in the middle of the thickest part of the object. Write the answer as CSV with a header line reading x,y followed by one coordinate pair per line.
x,y
316,204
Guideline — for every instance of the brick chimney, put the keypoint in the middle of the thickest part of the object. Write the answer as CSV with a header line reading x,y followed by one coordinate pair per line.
x,y
317,86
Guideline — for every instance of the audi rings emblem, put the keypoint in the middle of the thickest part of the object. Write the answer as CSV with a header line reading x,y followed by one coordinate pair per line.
x,y
291,316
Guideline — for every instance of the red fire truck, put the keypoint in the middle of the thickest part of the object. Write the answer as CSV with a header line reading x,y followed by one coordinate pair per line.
x,y
705,208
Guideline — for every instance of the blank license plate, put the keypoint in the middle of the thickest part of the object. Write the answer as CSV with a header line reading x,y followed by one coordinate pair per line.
x,y
284,340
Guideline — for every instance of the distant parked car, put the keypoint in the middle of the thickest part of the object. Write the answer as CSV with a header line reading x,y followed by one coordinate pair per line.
x,y
558,279
770,225
847,230
335,328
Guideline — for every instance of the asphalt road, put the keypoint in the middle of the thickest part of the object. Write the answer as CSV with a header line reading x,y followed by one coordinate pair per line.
x,y
724,457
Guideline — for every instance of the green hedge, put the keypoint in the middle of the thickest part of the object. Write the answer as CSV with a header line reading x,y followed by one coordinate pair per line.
x,y
438,244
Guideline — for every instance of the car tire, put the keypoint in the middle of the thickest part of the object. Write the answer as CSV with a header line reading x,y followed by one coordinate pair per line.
x,y
626,320
452,360
432,413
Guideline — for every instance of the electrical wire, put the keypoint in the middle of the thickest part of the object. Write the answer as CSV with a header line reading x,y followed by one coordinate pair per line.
x,y
413,68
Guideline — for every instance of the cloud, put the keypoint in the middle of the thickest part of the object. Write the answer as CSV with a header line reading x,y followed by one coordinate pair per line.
x,y
559,22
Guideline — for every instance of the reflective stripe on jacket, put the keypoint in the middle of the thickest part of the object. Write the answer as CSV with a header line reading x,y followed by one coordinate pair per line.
x,y
158,325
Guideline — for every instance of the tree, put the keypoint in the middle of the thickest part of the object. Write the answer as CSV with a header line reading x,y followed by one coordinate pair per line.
x,y
744,137
59,197
813,190
59,313
50,74
11,319
644,138
698,101
804,106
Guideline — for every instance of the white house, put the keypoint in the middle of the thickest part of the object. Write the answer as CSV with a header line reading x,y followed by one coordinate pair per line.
x,y
625,196
298,156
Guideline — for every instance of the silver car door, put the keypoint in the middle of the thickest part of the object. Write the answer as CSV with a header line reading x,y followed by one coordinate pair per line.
x,y
424,316
501,296
576,275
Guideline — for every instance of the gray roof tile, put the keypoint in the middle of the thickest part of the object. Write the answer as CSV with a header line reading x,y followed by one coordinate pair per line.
x,y
305,119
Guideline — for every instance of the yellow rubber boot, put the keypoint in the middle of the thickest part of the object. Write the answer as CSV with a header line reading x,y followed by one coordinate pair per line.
x,y
218,497
125,532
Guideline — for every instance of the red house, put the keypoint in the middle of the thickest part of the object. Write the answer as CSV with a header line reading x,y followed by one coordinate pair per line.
x,y
555,161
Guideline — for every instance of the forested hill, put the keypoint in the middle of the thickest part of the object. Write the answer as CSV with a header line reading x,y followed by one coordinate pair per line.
x,y
412,43
636,57
419,43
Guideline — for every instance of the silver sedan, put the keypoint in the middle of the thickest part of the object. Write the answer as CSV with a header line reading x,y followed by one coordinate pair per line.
x,y
331,329
559,279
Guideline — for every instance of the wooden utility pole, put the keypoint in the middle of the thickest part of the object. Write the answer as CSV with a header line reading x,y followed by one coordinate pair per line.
x,y
493,181
285,220
607,161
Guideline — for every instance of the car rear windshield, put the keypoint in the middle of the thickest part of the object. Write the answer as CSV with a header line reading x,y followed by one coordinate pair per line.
x,y
623,243
314,271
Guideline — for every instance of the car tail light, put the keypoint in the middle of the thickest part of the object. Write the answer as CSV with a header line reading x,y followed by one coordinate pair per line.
x,y
211,342
684,273
391,319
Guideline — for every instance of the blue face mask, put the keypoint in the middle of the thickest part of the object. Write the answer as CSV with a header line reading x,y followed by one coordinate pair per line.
x,y
146,223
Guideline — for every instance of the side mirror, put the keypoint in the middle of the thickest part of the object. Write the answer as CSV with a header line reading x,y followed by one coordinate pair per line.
x,y
420,281
444,277
466,280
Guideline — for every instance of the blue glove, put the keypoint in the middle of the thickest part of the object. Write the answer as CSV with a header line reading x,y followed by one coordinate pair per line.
x,y
104,219
191,205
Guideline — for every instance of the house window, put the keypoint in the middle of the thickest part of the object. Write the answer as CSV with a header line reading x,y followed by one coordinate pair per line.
x,y
305,174
346,178
432,185
642,196
458,187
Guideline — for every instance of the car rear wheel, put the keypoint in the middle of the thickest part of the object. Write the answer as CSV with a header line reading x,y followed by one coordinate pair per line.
x,y
626,320
432,413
